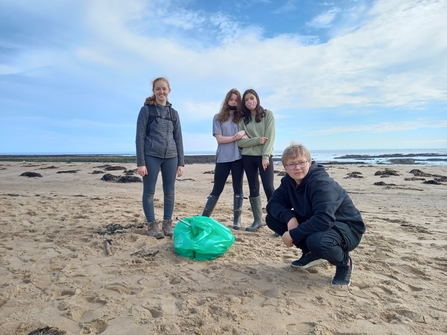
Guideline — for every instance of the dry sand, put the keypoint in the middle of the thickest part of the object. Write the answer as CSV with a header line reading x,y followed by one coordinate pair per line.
x,y
54,270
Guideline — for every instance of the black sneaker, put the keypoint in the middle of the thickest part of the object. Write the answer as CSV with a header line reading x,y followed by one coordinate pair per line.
x,y
307,261
343,274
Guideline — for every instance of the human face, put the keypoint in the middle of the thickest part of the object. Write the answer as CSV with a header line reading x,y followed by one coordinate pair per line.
x,y
233,101
251,102
161,91
297,168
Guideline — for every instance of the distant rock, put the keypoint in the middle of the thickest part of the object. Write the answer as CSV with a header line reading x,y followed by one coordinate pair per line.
x,y
387,172
381,183
49,167
437,177
200,159
130,172
121,179
31,174
354,174
109,177
68,171
419,173
433,182
114,168
414,179
129,179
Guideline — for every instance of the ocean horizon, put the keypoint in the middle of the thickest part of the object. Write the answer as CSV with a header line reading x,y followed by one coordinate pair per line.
x,y
340,156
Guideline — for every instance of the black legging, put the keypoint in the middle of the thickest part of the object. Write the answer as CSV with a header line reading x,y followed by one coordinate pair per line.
x,y
253,168
221,173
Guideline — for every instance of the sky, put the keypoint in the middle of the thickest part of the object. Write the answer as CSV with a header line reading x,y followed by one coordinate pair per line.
x,y
344,74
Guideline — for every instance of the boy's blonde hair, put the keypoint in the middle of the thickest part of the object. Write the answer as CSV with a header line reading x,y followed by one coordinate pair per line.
x,y
295,150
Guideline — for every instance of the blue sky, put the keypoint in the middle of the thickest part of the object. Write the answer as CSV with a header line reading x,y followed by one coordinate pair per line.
x,y
348,74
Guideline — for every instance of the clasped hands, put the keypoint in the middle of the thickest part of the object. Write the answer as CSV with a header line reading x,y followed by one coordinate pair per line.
x,y
240,135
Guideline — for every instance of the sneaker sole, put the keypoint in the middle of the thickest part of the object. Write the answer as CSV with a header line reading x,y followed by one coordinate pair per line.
x,y
310,264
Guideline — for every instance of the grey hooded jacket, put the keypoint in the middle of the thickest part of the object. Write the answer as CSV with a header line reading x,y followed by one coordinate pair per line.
x,y
161,138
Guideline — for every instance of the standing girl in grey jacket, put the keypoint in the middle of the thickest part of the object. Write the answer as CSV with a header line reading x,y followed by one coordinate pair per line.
x,y
159,147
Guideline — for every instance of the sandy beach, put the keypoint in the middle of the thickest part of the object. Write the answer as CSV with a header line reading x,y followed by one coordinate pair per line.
x,y
55,270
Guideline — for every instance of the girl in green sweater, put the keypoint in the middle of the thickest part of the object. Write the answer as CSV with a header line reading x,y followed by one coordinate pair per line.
x,y
257,151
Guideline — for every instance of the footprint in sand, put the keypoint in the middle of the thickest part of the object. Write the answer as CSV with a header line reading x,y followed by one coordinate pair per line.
x,y
301,328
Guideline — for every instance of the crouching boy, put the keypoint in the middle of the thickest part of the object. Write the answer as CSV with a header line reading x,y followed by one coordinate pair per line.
x,y
313,212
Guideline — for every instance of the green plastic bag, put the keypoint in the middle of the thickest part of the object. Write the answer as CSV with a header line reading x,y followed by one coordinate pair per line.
x,y
201,238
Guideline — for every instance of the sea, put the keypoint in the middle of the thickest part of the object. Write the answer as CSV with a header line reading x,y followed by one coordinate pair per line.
x,y
342,156
369,156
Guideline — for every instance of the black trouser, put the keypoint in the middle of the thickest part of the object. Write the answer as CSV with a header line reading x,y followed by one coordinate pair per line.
x,y
221,173
253,169
331,244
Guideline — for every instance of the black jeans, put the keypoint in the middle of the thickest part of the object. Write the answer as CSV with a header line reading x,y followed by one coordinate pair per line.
x,y
333,244
221,173
253,169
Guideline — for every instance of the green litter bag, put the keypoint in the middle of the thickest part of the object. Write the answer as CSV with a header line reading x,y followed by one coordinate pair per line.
x,y
201,238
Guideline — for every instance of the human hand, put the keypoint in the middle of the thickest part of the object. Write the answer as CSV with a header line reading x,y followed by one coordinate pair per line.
x,y
241,133
265,163
262,140
142,170
287,239
292,224
180,171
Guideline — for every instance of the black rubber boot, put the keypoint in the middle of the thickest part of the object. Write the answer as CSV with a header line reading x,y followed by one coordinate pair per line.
x,y
237,208
210,204
256,208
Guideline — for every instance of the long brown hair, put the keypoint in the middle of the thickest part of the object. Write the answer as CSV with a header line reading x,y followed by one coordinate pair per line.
x,y
151,100
260,111
224,112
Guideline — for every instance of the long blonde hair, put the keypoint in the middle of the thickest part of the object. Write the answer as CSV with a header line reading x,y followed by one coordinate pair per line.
x,y
224,112
151,100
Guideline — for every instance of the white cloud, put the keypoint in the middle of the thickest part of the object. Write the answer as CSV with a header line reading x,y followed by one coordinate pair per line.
x,y
199,110
395,56
324,20
381,127
287,7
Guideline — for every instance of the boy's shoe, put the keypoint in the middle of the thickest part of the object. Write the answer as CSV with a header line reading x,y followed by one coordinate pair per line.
x,y
307,261
343,274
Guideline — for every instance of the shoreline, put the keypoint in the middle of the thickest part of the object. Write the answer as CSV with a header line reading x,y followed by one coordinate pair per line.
x,y
393,159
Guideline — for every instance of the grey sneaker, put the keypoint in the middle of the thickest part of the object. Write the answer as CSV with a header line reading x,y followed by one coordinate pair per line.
x,y
307,261
343,274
